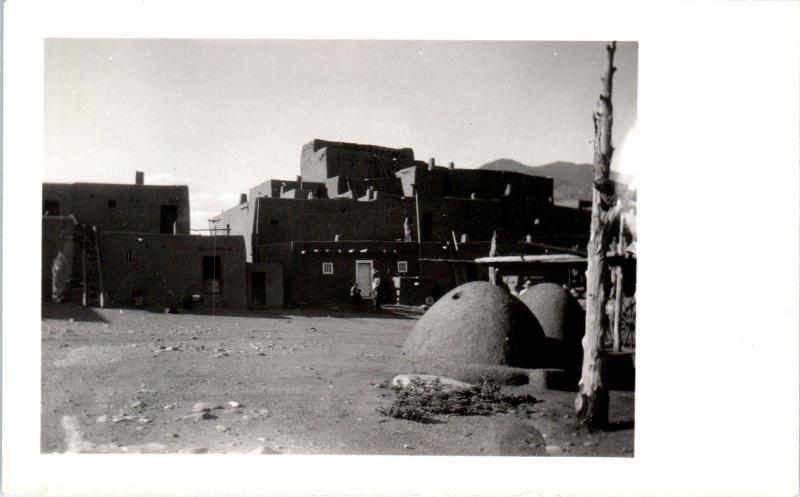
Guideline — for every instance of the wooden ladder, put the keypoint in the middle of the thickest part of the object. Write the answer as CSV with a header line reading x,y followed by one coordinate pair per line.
x,y
91,268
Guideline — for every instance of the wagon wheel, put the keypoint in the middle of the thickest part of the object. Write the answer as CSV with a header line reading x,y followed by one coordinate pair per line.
x,y
627,326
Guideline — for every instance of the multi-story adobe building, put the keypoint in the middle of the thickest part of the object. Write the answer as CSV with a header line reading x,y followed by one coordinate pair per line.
x,y
369,208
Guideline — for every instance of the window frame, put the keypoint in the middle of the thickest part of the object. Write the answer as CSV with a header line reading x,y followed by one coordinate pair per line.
x,y
326,265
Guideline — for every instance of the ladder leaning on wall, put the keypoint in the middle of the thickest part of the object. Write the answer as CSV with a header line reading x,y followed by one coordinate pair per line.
x,y
91,277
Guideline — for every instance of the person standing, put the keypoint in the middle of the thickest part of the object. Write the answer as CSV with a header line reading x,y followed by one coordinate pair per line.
x,y
377,288
355,295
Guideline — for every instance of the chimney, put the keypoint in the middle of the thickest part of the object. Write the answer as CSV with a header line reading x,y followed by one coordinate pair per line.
x,y
431,163
452,165
299,181
139,177
242,198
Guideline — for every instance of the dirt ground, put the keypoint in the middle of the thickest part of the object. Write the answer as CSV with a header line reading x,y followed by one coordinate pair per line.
x,y
282,382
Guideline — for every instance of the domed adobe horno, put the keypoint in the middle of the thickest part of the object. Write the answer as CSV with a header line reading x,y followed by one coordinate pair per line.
x,y
478,323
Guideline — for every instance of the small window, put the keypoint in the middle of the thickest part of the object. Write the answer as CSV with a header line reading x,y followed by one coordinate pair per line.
x,y
130,256
402,266
112,203
327,268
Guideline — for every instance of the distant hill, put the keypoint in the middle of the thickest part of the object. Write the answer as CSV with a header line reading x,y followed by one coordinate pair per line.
x,y
570,181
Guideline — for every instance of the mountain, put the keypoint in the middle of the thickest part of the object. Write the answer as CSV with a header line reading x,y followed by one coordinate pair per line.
x,y
570,181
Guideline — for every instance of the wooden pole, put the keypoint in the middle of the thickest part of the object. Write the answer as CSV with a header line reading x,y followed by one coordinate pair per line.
x,y
83,264
618,287
493,253
591,403
99,267
419,231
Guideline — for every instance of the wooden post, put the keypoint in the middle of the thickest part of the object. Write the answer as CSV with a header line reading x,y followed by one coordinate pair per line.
x,y
99,267
83,264
419,231
492,253
591,403
618,286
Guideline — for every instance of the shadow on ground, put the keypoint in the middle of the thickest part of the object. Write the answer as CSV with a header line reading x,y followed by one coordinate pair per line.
x,y
75,312
340,312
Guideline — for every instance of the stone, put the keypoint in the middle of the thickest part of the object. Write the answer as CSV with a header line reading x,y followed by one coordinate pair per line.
x,y
552,449
194,450
101,419
221,428
427,381
234,404
199,416
203,406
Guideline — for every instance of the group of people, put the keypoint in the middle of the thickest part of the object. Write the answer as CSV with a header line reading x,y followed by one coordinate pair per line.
x,y
382,290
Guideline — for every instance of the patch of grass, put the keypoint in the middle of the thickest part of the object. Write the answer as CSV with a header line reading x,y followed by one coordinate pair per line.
x,y
419,401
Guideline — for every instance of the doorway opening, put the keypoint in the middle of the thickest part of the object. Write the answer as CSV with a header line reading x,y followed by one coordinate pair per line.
x,y
169,219
212,274
364,278
258,287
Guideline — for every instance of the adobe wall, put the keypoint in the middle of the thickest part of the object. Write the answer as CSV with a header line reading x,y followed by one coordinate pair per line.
x,y
169,268
240,220
338,185
61,193
563,226
285,220
445,182
310,286
273,284
112,207
322,159
304,282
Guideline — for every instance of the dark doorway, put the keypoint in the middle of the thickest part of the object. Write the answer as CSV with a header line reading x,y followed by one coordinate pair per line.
x,y
212,271
426,226
169,217
258,295
50,208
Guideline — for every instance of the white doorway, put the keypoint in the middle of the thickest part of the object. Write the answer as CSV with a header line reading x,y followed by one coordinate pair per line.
x,y
364,278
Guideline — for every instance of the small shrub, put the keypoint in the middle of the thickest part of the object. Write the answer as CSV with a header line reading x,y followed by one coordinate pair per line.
x,y
419,401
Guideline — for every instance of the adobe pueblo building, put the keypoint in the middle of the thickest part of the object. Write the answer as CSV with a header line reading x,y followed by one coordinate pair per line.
x,y
357,209
131,244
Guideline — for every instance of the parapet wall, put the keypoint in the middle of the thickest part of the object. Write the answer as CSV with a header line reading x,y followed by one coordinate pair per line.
x,y
321,160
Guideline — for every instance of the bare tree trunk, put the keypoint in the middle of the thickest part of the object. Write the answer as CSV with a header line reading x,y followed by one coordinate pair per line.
x,y
591,402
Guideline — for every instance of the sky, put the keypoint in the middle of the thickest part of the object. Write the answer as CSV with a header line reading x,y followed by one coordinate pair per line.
x,y
224,115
